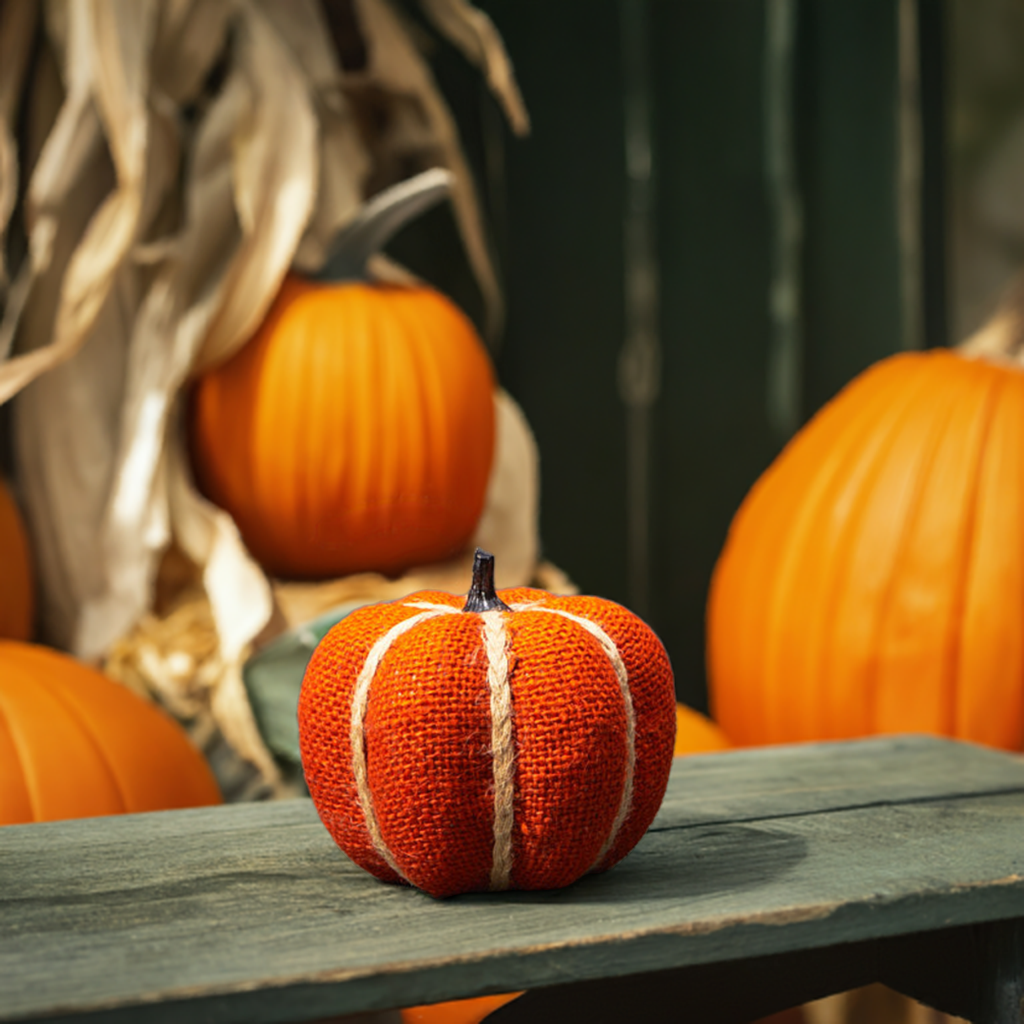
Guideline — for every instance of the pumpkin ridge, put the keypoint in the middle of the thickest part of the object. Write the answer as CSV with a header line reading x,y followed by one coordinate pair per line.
x,y
419,442
432,476
937,430
863,475
317,358
334,470
846,446
292,482
654,703
622,675
738,595
839,722
268,421
86,729
429,753
360,702
872,684
555,697
463,432
320,369
991,656
459,433
363,420
234,482
393,399
396,472
968,542
20,757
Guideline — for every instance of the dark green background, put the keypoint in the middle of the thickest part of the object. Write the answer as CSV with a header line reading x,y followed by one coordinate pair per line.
x,y
556,205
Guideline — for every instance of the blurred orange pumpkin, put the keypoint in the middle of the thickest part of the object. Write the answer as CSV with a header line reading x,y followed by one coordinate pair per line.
x,y
697,734
75,744
16,589
873,579
475,1011
456,1011
355,431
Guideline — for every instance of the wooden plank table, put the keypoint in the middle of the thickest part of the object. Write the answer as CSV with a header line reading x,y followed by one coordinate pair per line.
x,y
769,877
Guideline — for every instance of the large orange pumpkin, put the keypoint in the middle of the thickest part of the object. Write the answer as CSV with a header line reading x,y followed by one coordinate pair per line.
x,y
74,744
421,771
16,589
355,430
873,579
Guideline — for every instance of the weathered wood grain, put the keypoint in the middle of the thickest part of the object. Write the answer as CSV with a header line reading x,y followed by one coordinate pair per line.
x,y
250,913
768,782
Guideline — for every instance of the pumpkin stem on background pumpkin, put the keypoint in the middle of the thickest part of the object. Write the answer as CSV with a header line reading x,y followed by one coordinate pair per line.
x,y
378,219
1001,337
482,596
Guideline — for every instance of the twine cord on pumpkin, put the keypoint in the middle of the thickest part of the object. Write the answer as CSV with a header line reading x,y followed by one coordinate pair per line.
x,y
360,700
621,673
495,640
446,609
496,646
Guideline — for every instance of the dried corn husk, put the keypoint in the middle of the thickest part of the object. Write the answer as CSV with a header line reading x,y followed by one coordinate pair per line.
x,y
475,35
183,155
189,650
17,24
423,132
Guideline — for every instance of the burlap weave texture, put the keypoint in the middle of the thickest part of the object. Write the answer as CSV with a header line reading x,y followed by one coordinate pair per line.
x,y
579,801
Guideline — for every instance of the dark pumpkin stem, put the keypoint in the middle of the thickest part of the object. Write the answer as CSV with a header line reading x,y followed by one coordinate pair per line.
x,y
380,218
482,596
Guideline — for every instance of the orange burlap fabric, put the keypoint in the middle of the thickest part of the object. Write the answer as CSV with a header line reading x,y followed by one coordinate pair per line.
x,y
429,742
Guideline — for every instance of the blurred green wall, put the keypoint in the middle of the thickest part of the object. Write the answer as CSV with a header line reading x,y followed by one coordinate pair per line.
x,y
556,201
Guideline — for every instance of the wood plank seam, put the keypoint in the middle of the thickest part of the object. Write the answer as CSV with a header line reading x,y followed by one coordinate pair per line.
x,y
813,812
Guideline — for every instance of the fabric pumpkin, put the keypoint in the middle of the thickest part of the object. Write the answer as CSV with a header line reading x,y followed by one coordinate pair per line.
x,y
17,605
873,579
421,771
355,431
695,734
74,744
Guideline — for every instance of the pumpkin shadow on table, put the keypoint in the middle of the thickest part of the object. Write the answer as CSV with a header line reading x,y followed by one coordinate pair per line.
x,y
715,858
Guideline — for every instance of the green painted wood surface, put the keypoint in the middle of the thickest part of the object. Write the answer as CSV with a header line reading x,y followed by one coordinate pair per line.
x,y
250,913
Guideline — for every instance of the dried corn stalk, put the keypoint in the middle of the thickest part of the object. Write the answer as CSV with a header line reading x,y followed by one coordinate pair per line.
x,y
17,23
187,153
